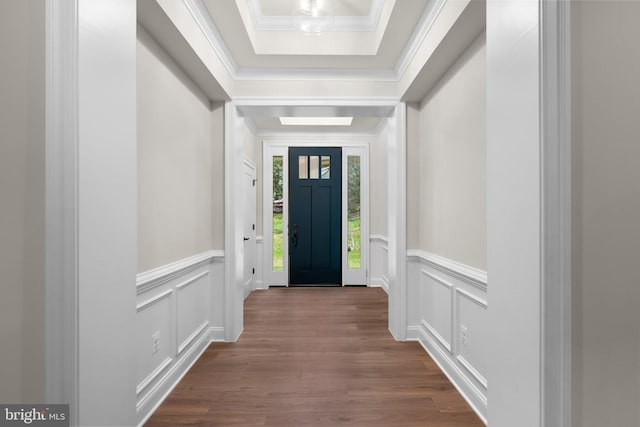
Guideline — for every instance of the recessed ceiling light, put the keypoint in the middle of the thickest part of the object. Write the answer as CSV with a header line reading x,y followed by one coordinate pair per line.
x,y
316,121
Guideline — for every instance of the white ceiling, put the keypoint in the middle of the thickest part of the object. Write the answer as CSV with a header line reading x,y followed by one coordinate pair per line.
x,y
370,37
280,48
342,7
249,48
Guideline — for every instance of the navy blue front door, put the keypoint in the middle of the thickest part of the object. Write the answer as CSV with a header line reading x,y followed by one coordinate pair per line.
x,y
315,216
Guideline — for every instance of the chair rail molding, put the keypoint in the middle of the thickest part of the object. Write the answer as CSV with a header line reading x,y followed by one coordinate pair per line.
x,y
160,275
471,275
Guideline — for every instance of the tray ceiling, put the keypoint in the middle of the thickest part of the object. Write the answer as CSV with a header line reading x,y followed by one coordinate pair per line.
x,y
258,34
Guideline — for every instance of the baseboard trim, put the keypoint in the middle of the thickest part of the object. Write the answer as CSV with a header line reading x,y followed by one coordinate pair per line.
x,y
216,334
474,397
379,282
413,333
172,378
150,402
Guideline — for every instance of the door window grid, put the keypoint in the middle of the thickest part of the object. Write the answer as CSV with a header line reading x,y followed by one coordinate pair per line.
x,y
314,167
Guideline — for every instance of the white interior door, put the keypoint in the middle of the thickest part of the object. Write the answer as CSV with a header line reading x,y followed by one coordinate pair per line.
x,y
249,212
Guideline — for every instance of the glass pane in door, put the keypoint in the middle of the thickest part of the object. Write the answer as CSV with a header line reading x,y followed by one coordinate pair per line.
x,y
353,212
314,167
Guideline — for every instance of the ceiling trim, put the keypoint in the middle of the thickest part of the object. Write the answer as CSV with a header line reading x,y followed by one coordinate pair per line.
x,y
349,101
342,23
202,18
251,125
316,74
426,21
204,21
299,134
255,131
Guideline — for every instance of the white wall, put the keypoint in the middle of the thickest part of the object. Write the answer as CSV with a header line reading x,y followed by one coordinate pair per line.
x,y
217,175
250,145
180,296
378,184
413,175
446,224
452,153
606,209
22,191
175,160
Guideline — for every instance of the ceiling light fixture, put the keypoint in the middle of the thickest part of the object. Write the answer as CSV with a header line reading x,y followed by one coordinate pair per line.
x,y
316,121
312,16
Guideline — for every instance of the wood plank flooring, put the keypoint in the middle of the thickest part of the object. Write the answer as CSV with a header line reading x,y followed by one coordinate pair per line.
x,y
315,357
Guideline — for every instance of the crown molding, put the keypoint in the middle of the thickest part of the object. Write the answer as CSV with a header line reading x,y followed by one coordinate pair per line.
x,y
380,127
426,21
316,74
360,101
202,18
301,134
251,125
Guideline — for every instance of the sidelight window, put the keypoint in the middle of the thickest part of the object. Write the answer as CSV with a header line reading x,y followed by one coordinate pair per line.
x,y
353,213
278,242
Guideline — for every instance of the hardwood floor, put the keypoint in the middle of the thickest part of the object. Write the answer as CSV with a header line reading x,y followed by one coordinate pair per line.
x,y
315,357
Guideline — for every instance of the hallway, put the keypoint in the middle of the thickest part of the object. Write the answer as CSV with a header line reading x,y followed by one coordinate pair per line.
x,y
316,357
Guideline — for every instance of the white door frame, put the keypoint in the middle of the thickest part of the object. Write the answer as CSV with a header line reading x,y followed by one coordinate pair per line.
x,y
281,148
270,277
250,169
396,116
233,223
529,213
353,276
91,232
552,22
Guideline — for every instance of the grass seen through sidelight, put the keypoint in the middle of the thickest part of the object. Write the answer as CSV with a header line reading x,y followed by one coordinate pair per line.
x,y
278,243
353,243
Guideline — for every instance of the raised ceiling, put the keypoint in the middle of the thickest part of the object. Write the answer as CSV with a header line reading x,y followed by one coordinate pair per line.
x,y
370,35
249,49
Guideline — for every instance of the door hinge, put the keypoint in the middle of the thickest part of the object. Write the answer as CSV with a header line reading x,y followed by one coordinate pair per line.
x,y
254,226
254,182
253,271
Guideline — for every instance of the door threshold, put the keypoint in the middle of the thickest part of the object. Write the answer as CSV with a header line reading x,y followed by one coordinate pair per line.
x,y
315,285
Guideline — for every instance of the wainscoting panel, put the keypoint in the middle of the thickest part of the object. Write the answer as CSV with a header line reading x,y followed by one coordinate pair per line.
x,y
451,321
192,308
179,313
379,268
436,307
154,343
472,337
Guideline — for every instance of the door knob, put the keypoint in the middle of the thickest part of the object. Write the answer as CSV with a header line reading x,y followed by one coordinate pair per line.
x,y
246,238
